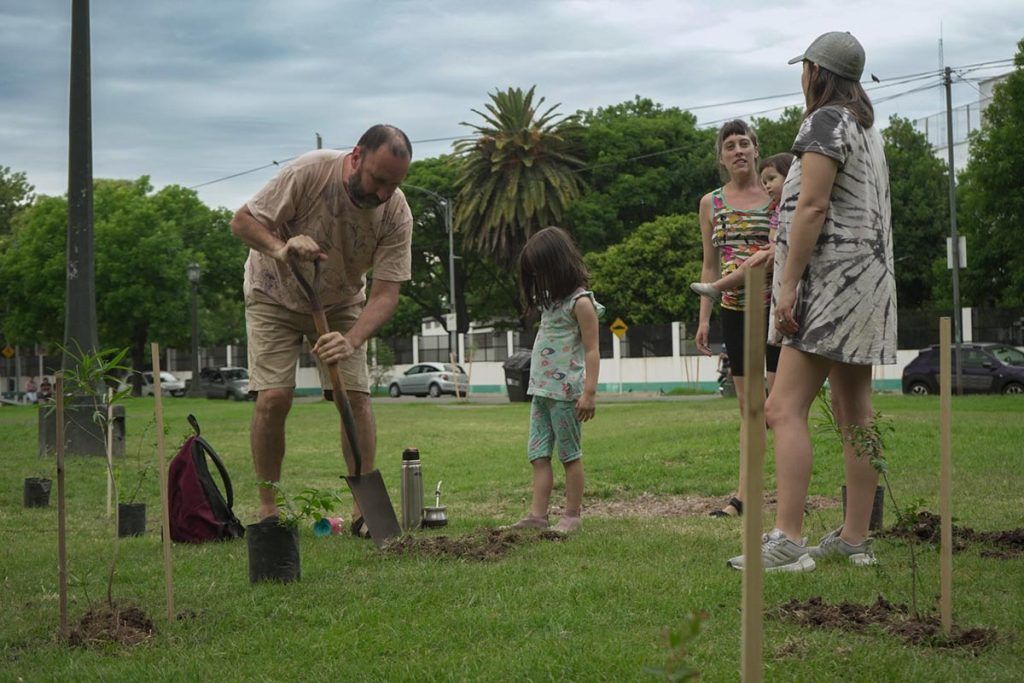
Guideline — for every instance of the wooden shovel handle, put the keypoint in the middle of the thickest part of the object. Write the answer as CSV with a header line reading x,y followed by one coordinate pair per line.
x,y
341,401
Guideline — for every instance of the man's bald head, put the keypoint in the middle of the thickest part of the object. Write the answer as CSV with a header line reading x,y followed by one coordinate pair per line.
x,y
383,134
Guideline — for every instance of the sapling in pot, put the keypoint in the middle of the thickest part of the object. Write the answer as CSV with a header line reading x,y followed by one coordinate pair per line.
x,y
36,493
131,515
274,542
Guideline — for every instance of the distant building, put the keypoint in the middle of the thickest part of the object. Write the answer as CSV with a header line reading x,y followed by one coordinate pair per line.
x,y
966,118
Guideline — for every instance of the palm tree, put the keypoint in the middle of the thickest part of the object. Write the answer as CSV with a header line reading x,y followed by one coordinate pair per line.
x,y
518,175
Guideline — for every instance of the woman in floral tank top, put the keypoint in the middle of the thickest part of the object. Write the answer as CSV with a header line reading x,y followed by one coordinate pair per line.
x,y
735,221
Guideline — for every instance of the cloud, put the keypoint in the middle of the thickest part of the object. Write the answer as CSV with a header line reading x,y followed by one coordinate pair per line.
x,y
190,91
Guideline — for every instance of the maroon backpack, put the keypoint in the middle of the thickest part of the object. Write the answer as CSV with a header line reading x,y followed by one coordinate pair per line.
x,y
198,511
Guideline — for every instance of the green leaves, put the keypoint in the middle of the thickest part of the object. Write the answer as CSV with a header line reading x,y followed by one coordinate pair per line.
x,y
308,504
645,279
517,174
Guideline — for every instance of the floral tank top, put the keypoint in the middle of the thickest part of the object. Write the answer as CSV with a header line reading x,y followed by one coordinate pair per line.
x,y
738,234
557,362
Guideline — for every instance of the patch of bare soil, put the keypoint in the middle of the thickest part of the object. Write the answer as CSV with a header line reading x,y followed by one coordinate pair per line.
x,y
927,528
123,625
482,545
925,630
649,505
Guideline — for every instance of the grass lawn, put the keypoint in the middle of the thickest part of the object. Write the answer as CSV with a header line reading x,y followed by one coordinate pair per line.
x,y
593,607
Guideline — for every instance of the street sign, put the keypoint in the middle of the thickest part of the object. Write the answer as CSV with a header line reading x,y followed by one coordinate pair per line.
x,y
961,252
8,351
619,328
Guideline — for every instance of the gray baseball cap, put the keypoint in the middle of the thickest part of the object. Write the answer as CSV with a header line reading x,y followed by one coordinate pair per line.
x,y
837,51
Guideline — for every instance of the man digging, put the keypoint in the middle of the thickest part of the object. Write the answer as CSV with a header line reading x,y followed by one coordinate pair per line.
x,y
344,210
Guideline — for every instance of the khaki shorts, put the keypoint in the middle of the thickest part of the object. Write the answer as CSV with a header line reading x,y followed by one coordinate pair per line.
x,y
275,336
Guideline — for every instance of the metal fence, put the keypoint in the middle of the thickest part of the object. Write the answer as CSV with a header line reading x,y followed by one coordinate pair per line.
x,y
486,346
647,341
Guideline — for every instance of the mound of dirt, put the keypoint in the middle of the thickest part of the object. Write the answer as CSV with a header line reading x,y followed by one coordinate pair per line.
x,y
927,528
482,545
123,625
893,619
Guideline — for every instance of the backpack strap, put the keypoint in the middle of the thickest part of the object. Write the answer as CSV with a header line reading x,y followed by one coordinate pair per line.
x,y
225,479
194,422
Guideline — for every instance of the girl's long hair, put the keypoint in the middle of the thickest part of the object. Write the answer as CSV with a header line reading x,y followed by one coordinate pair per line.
x,y
829,89
550,268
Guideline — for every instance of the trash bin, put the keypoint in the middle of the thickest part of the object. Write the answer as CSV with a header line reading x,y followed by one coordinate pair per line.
x,y
517,376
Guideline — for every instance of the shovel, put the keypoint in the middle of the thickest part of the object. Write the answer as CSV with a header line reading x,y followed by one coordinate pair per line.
x,y
367,488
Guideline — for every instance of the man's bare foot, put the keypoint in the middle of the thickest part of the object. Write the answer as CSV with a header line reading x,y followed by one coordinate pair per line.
x,y
267,511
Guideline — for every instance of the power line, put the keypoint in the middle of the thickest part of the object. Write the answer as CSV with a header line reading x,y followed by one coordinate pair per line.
x,y
871,86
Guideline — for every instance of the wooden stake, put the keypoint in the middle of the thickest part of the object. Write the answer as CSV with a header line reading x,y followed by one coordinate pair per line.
x,y
161,455
945,479
110,450
455,375
752,451
62,552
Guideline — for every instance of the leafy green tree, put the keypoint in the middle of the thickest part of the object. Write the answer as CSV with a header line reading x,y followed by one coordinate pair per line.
x,y
645,279
990,207
221,257
518,174
642,161
143,244
777,135
482,290
919,190
15,195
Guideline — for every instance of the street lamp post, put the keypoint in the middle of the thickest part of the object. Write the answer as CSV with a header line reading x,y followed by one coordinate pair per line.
x,y
193,277
446,207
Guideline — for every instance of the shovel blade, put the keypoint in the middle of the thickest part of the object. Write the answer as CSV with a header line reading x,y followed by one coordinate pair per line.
x,y
375,505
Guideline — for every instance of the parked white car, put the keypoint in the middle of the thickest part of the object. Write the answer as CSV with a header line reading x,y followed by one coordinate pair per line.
x,y
429,379
169,384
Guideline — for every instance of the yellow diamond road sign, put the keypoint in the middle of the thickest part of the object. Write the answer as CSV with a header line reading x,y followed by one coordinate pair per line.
x,y
8,351
619,328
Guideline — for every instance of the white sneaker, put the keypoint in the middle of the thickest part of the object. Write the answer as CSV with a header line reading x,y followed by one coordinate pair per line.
x,y
706,289
831,545
779,554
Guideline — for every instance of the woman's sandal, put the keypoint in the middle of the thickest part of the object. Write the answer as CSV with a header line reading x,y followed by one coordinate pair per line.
x,y
359,528
734,503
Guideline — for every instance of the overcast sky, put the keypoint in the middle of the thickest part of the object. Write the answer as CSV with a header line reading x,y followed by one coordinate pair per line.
x,y
189,91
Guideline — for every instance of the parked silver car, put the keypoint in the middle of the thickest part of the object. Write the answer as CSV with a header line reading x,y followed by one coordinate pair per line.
x,y
169,384
429,379
230,383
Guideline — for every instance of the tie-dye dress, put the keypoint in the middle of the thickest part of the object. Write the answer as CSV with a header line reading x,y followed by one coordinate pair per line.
x,y
846,298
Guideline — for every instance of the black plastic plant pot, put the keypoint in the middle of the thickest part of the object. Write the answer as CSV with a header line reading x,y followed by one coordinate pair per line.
x,y
37,492
273,552
131,519
876,508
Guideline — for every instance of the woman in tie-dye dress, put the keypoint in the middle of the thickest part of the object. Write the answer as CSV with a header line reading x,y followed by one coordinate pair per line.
x,y
833,299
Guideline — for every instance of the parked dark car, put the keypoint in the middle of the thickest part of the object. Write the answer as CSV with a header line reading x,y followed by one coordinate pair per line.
x,y
431,379
986,369
230,383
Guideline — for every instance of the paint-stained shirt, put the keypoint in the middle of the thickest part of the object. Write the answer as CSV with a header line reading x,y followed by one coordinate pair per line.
x,y
308,197
846,299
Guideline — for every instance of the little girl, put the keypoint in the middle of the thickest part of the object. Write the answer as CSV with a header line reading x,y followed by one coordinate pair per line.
x,y
563,369
773,176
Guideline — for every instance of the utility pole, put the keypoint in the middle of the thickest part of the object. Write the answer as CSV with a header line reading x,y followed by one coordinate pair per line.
x,y
80,314
958,335
446,206
319,141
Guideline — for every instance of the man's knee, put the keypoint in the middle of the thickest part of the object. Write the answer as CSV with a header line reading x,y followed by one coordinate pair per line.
x,y
272,405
